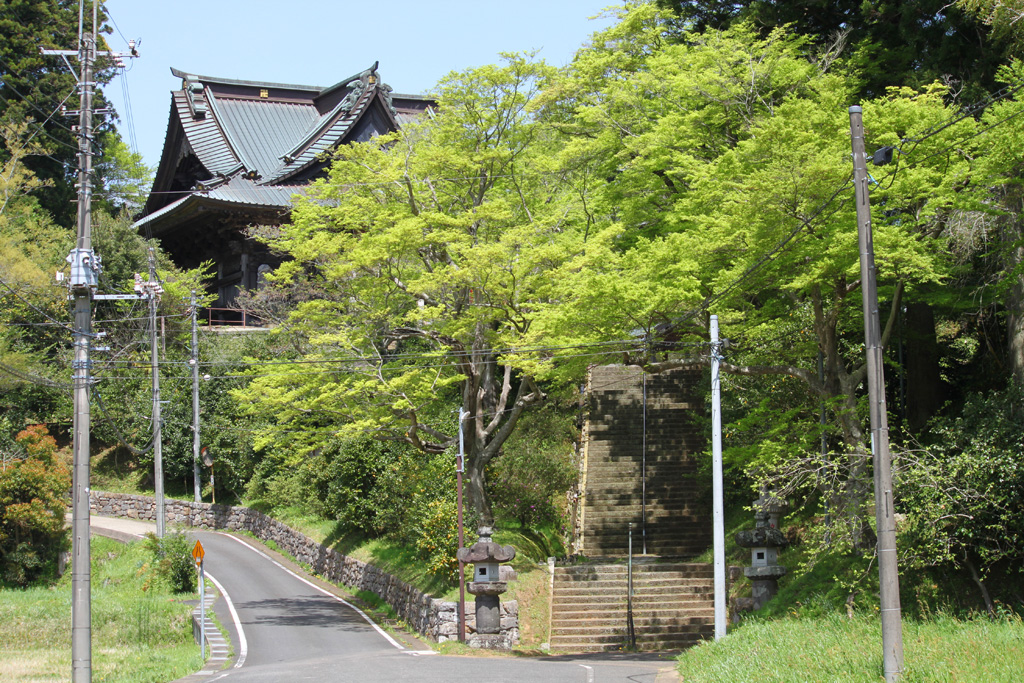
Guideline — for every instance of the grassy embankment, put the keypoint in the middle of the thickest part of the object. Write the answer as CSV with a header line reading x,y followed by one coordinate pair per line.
x,y
824,626
835,647
141,631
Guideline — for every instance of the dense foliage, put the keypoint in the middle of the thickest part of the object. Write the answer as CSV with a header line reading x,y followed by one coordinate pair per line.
x,y
33,498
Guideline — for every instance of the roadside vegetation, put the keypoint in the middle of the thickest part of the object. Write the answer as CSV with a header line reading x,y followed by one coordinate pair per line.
x,y
834,647
141,627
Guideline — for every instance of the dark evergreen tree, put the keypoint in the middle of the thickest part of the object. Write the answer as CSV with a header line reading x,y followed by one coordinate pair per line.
x,y
909,42
33,86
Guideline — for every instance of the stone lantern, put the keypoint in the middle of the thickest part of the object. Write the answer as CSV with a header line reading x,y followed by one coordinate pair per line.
x,y
764,541
486,586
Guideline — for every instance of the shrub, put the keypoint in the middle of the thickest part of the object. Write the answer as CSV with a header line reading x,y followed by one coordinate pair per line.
x,y
172,559
33,500
529,480
437,539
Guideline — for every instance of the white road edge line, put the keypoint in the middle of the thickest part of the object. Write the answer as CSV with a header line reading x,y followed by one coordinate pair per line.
x,y
358,611
590,673
243,645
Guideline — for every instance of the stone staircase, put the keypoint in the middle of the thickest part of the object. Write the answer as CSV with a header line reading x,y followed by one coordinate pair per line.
x,y
672,606
646,476
638,467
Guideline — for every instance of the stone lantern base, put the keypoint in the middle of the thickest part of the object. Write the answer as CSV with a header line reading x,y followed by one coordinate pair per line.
x,y
490,641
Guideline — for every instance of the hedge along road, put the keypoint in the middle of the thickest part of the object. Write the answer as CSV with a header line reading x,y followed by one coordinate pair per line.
x,y
288,626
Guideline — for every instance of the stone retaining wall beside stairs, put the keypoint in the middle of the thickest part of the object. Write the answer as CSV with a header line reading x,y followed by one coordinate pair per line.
x,y
429,616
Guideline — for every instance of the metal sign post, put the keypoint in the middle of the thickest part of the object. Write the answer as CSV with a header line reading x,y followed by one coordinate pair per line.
x,y
718,494
198,554
460,467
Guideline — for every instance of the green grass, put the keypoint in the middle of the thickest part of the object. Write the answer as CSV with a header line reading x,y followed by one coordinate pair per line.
x,y
836,648
141,632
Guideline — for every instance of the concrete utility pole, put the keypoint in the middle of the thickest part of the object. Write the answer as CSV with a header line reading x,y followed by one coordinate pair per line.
x,y
718,494
888,573
197,485
84,279
85,271
153,291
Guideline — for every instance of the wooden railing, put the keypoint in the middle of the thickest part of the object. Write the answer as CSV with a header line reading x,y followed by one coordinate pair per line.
x,y
232,317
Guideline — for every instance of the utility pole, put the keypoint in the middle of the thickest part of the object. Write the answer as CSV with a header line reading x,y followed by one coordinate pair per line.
x,y
888,573
153,290
85,271
718,494
197,485
84,279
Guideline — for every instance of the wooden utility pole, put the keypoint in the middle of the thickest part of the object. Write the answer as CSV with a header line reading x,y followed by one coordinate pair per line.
x,y
888,573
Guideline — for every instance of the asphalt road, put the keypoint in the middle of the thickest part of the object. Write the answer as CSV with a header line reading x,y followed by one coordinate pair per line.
x,y
287,626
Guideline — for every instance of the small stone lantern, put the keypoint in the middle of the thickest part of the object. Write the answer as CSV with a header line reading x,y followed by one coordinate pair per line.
x,y
764,541
487,585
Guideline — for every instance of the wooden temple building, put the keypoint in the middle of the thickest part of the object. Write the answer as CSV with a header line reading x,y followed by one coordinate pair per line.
x,y
237,152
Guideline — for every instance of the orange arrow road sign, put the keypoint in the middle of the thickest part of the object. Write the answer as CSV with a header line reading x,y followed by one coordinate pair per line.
x,y
198,553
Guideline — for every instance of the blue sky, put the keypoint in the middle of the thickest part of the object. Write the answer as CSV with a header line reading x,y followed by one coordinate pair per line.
x,y
319,42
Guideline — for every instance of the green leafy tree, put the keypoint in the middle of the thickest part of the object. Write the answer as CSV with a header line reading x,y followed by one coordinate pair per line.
x,y
123,178
428,251
33,499
728,159
963,493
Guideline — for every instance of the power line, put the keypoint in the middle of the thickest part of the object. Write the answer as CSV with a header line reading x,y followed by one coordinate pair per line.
x,y
37,309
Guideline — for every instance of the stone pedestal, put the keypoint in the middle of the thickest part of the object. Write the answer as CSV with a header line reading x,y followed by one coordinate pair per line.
x,y
488,605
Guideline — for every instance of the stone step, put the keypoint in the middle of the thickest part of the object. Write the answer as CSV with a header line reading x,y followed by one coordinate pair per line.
x,y
681,642
619,538
667,621
673,549
677,597
580,594
655,508
601,635
642,584
694,614
639,578
641,565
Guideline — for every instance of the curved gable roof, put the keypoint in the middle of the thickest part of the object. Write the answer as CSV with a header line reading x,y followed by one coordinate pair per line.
x,y
265,134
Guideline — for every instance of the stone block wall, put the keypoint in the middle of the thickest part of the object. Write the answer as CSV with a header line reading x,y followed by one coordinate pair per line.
x,y
429,616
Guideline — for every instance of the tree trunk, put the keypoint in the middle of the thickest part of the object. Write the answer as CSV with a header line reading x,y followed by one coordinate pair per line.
x,y
989,605
925,392
477,491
